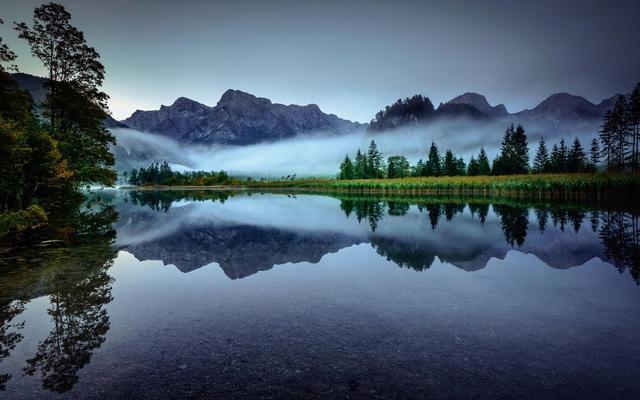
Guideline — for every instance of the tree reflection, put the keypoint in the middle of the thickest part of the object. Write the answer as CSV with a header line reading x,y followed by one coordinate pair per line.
x,y
80,323
514,221
75,279
481,210
397,208
372,211
620,235
10,332
161,200
415,257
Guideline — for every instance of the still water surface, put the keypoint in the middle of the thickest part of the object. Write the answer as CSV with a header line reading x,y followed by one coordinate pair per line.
x,y
214,295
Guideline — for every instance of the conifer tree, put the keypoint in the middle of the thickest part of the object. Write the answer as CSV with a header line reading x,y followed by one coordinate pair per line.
x,y
541,159
606,139
594,155
449,164
433,166
473,169
360,167
577,159
374,162
483,163
633,118
346,169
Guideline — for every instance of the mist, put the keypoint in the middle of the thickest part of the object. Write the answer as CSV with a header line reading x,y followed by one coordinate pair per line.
x,y
320,154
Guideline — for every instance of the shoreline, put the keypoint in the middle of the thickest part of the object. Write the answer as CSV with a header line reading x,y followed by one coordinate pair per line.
x,y
600,186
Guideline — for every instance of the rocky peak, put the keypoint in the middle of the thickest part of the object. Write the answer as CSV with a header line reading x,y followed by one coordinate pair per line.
x,y
235,98
480,102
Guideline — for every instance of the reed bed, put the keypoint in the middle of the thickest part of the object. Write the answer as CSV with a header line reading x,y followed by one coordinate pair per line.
x,y
544,186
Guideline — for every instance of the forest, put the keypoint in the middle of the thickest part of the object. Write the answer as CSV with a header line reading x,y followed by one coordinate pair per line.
x,y
158,174
616,149
50,151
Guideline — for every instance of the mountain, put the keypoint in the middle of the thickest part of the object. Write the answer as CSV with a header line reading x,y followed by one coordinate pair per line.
x,y
558,114
607,104
480,102
239,118
35,86
563,107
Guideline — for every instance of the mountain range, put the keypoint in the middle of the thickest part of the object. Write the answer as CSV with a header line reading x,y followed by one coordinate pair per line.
x,y
35,86
240,118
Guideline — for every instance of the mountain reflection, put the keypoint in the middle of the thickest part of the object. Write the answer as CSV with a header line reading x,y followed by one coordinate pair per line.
x,y
245,234
74,278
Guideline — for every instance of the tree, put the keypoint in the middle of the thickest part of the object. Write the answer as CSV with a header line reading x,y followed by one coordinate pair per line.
x,y
559,158
633,118
521,151
374,162
594,155
449,164
577,159
514,153
483,163
433,166
541,160
474,168
346,169
75,106
461,167
418,170
619,132
360,167
398,167
7,56
606,139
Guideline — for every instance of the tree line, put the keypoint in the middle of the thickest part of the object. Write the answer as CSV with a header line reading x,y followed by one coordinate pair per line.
x,y
616,149
618,231
620,133
51,150
513,159
158,174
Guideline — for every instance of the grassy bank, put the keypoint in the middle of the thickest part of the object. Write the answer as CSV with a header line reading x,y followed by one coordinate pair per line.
x,y
544,186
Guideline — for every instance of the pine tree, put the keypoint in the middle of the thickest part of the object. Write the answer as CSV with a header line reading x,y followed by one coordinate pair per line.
x,y
514,153
433,166
520,151
461,166
594,155
360,167
606,139
449,164
346,169
619,134
473,168
563,154
374,162
555,163
483,163
541,160
633,118
418,170
577,159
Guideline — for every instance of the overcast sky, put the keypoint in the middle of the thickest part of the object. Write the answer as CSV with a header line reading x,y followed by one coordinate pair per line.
x,y
350,57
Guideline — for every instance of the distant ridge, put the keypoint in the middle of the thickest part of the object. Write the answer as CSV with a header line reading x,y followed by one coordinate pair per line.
x,y
35,86
558,113
239,118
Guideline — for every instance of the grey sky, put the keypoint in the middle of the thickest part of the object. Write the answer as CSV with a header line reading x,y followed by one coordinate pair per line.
x,y
350,57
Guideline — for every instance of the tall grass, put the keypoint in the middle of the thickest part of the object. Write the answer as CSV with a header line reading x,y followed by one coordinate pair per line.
x,y
565,186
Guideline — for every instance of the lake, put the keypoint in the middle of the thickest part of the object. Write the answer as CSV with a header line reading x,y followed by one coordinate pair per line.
x,y
167,294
